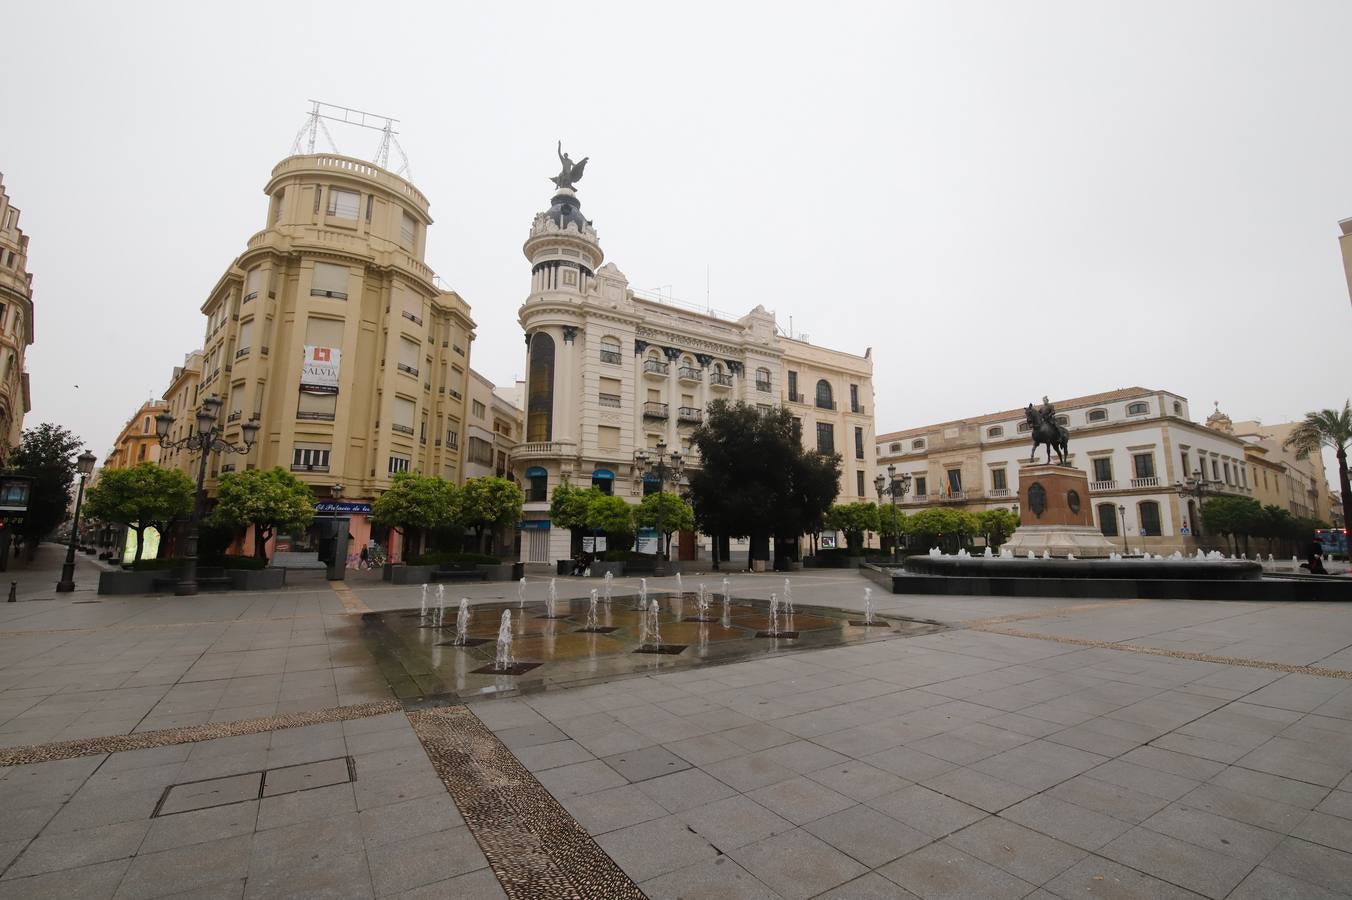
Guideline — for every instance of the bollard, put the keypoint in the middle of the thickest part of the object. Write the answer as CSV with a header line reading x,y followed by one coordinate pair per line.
x,y
14,592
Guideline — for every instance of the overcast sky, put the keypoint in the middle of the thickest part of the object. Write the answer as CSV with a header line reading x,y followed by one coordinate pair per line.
x,y
1002,199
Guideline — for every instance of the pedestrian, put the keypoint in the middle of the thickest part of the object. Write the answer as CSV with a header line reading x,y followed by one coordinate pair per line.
x,y
365,558
1315,562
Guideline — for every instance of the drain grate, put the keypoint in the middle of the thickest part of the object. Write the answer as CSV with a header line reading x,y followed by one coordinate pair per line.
x,y
226,790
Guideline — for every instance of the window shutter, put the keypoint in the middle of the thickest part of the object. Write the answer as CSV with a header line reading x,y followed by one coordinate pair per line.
x,y
403,412
245,334
330,280
408,352
324,332
344,204
408,230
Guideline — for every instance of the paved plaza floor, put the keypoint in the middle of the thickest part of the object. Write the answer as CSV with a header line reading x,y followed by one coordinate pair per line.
x,y
247,745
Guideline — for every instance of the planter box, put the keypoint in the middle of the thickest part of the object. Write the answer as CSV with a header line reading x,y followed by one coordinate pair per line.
x,y
127,582
256,579
409,574
502,571
599,569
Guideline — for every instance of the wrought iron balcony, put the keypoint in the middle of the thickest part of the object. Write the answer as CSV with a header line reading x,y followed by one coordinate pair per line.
x,y
689,414
717,379
612,357
655,367
653,410
688,373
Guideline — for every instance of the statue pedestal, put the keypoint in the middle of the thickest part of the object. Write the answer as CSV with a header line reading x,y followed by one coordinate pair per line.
x,y
1055,514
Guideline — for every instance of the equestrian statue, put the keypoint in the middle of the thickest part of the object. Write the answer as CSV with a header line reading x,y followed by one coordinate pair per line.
x,y
1046,430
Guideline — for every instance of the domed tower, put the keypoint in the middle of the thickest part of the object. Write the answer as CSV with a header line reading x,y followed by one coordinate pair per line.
x,y
1219,421
564,255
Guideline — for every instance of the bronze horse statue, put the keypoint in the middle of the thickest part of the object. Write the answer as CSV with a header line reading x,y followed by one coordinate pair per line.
x,y
1049,432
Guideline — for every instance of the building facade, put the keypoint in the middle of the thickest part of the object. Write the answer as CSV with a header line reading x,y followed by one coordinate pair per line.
x,y
1345,245
180,399
138,441
332,332
1305,489
1137,445
16,324
493,427
610,372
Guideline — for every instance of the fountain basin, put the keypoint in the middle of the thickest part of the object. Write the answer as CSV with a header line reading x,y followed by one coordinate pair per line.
x,y
1144,579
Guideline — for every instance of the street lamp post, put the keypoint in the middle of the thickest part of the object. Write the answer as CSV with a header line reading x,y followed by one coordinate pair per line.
x,y
1198,485
206,440
897,485
84,464
1122,511
657,460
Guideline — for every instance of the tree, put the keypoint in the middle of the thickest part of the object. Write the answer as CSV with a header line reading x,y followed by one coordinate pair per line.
x,y
996,525
568,509
854,520
1328,428
1234,517
146,495
267,500
47,455
755,479
413,504
613,517
891,522
488,503
941,526
667,510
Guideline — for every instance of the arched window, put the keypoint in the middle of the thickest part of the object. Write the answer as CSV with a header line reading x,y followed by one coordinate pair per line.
x,y
1137,409
1149,513
995,431
1178,408
763,379
537,484
1024,427
540,389
824,399
1107,514
1096,415
918,444
1062,420
894,448
604,481
145,425
610,350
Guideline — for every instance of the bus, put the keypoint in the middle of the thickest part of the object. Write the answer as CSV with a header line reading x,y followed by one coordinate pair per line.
x,y
1333,540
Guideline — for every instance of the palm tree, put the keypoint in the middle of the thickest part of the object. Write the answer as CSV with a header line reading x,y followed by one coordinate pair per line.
x,y
1328,428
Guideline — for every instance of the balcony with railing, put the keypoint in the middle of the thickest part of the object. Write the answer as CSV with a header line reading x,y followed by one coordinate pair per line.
x,y
241,352
415,319
402,429
654,410
315,416
689,374
689,414
655,367
611,401
1149,481
719,380
405,367
763,386
611,357
998,493
234,416
857,408
1109,485
307,467
823,403
796,397
543,450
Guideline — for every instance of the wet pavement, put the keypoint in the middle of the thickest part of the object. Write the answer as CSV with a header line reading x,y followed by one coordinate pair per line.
x,y
421,659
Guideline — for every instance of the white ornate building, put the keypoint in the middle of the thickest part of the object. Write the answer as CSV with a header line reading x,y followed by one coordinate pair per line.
x,y
609,372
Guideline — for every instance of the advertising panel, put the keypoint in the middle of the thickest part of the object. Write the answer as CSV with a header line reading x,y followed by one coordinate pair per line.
x,y
319,374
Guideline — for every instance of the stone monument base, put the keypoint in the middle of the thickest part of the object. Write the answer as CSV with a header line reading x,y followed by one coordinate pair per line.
x,y
1080,541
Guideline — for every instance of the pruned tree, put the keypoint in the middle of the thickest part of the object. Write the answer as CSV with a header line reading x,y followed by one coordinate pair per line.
x,y
854,520
488,503
665,511
891,523
414,504
996,526
611,516
146,495
266,500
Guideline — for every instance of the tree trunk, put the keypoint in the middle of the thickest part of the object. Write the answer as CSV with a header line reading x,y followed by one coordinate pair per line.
x,y
1345,487
137,557
258,542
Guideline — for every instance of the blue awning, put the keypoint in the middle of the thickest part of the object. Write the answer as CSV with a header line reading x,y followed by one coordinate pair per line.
x,y
603,475
651,478
536,472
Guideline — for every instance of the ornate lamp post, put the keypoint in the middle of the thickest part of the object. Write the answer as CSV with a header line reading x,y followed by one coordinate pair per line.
x,y
84,464
656,462
1122,511
206,440
1196,486
897,485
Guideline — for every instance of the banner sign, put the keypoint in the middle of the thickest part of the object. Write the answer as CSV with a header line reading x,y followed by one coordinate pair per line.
x,y
319,374
342,506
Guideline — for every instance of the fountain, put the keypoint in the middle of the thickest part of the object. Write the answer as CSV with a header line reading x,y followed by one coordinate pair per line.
x,y
772,629
987,552
1032,555
503,661
1006,553
551,601
422,609
609,583
680,588
935,551
650,634
642,595
788,598
462,622
521,593
868,606
702,605
727,593
591,612
441,604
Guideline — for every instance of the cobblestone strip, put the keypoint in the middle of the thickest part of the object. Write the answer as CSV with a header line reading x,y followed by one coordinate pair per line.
x,y
536,848
1289,669
191,734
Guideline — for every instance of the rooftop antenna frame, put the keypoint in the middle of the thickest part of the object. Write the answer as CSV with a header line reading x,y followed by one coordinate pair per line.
x,y
346,115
